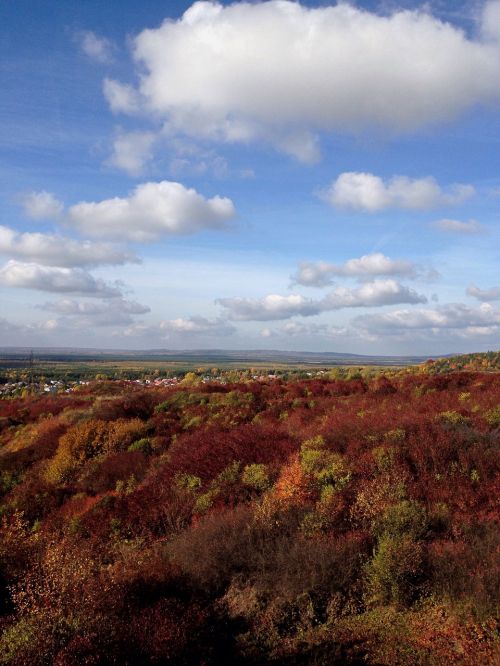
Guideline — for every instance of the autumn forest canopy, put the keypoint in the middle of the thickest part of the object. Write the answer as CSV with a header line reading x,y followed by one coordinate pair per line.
x,y
304,521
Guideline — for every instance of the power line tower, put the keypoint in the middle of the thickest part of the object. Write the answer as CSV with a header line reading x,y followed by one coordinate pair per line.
x,y
31,364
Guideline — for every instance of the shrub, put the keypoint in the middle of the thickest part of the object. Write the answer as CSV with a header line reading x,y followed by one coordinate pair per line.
x,y
393,573
454,418
205,501
143,445
407,518
323,466
132,404
492,417
256,476
216,548
385,457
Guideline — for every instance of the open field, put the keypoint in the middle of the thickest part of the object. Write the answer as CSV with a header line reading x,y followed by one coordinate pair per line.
x,y
84,364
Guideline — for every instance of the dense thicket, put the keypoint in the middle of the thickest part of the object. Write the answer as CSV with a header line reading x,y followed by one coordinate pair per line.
x,y
303,522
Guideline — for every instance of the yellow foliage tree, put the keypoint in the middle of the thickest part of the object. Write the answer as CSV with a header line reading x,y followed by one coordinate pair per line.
x,y
90,439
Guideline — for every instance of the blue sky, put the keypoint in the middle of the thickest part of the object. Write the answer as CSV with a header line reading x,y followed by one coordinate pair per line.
x,y
306,176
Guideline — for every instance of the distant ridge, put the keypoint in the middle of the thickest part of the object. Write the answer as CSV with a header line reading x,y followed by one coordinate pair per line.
x,y
213,356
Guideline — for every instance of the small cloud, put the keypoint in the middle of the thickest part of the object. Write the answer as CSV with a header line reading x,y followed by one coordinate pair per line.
x,y
204,162
247,174
55,250
320,274
457,227
42,206
196,325
267,333
131,151
112,312
293,329
121,97
189,158
370,193
302,145
99,49
484,295
192,327
150,211
270,308
55,279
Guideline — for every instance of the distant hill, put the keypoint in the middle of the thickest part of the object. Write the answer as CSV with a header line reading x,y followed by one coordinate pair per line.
x,y
208,356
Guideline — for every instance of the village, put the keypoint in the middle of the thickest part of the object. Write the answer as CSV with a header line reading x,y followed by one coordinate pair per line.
x,y
24,387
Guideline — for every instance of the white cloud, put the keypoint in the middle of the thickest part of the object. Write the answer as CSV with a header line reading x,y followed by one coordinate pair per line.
x,y
376,293
304,146
321,273
367,192
54,250
484,295
269,308
214,164
42,206
96,48
13,333
457,227
198,325
318,274
301,330
116,311
446,324
55,279
276,307
122,98
491,21
150,211
131,151
85,308
194,326
219,72
191,158
8,327
451,316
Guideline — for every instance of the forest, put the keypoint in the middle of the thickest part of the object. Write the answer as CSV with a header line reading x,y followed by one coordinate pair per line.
x,y
322,520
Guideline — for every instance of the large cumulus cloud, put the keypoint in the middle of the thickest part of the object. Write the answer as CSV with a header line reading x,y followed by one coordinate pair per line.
x,y
281,72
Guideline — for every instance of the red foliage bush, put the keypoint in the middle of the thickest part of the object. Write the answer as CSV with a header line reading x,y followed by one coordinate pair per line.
x,y
133,403
29,409
103,475
34,497
207,453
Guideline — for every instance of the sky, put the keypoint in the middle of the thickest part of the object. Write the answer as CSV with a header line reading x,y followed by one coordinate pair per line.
x,y
311,176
